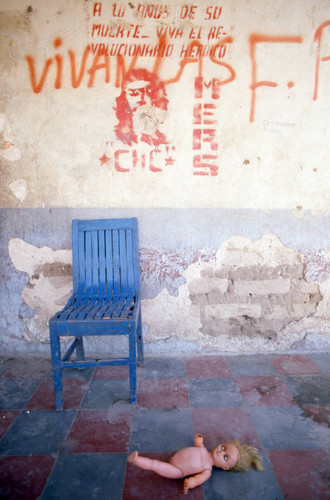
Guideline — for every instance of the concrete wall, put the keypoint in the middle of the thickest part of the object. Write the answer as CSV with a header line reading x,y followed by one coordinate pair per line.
x,y
218,144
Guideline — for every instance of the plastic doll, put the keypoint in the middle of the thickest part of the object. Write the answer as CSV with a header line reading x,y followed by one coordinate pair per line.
x,y
197,462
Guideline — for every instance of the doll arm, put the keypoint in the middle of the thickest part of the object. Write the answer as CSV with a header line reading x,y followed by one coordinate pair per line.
x,y
193,481
199,440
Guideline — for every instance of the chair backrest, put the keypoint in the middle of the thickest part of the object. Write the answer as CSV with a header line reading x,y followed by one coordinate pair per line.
x,y
105,257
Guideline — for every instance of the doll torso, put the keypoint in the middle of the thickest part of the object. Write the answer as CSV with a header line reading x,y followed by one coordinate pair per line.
x,y
192,460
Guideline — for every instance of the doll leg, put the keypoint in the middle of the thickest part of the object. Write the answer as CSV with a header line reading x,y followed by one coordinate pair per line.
x,y
162,468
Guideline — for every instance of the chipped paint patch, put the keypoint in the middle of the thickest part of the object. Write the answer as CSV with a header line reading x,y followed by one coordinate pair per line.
x,y
317,264
165,269
19,189
49,285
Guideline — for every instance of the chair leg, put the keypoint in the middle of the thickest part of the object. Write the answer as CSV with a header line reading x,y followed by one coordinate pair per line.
x,y
132,365
58,389
139,340
57,371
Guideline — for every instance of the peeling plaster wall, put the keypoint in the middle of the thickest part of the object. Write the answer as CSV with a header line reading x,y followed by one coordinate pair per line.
x,y
202,288
253,296
213,133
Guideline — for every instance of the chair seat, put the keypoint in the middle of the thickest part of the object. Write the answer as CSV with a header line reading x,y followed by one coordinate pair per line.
x,y
96,308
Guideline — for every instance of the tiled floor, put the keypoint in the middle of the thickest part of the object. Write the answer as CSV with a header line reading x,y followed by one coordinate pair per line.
x,y
278,403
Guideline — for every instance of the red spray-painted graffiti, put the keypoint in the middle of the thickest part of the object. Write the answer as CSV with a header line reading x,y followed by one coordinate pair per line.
x,y
195,52
205,145
141,108
318,40
254,39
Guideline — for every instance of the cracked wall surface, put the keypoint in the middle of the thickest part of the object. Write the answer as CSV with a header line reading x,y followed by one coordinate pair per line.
x,y
251,296
48,289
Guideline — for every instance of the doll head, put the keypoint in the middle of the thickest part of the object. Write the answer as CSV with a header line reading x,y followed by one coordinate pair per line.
x,y
225,455
248,457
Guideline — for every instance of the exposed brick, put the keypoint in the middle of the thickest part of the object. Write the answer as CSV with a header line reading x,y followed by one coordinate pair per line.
x,y
282,299
275,324
198,299
255,273
301,310
215,297
315,298
305,287
262,287
222,272
232,310
208,272
298,297
205,285
242,273
275,312
295,270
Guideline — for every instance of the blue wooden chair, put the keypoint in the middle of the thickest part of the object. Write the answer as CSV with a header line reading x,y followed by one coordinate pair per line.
x,y
105,299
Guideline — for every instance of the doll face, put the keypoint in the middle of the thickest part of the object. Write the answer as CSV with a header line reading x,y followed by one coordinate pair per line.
x,y
225,455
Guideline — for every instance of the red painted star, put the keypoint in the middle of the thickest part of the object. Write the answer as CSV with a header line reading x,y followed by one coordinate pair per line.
x,y
169,161
104,159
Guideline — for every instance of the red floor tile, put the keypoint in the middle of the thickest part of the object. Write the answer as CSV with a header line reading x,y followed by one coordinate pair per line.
x,y
221,424
320,414
264,391
23,478
111,372
26,367
163,393
43,398
302,474
100,431
7,417
208,366
295,364
147,485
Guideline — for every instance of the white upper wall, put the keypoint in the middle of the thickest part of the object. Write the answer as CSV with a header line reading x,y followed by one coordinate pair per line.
x,y
240,118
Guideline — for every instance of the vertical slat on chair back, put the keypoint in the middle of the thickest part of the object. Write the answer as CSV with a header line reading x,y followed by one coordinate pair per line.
x,y
105,257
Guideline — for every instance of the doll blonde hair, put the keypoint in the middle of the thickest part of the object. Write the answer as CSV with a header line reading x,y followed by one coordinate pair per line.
x,y
248,457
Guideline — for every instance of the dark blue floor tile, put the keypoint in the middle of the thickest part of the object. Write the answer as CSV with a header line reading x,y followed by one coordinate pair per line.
x,y
28,367
251,366
103,393
37,432
310,389
287,427
322,360
88,476
162,368
214,393
161,430
15,393
251,485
